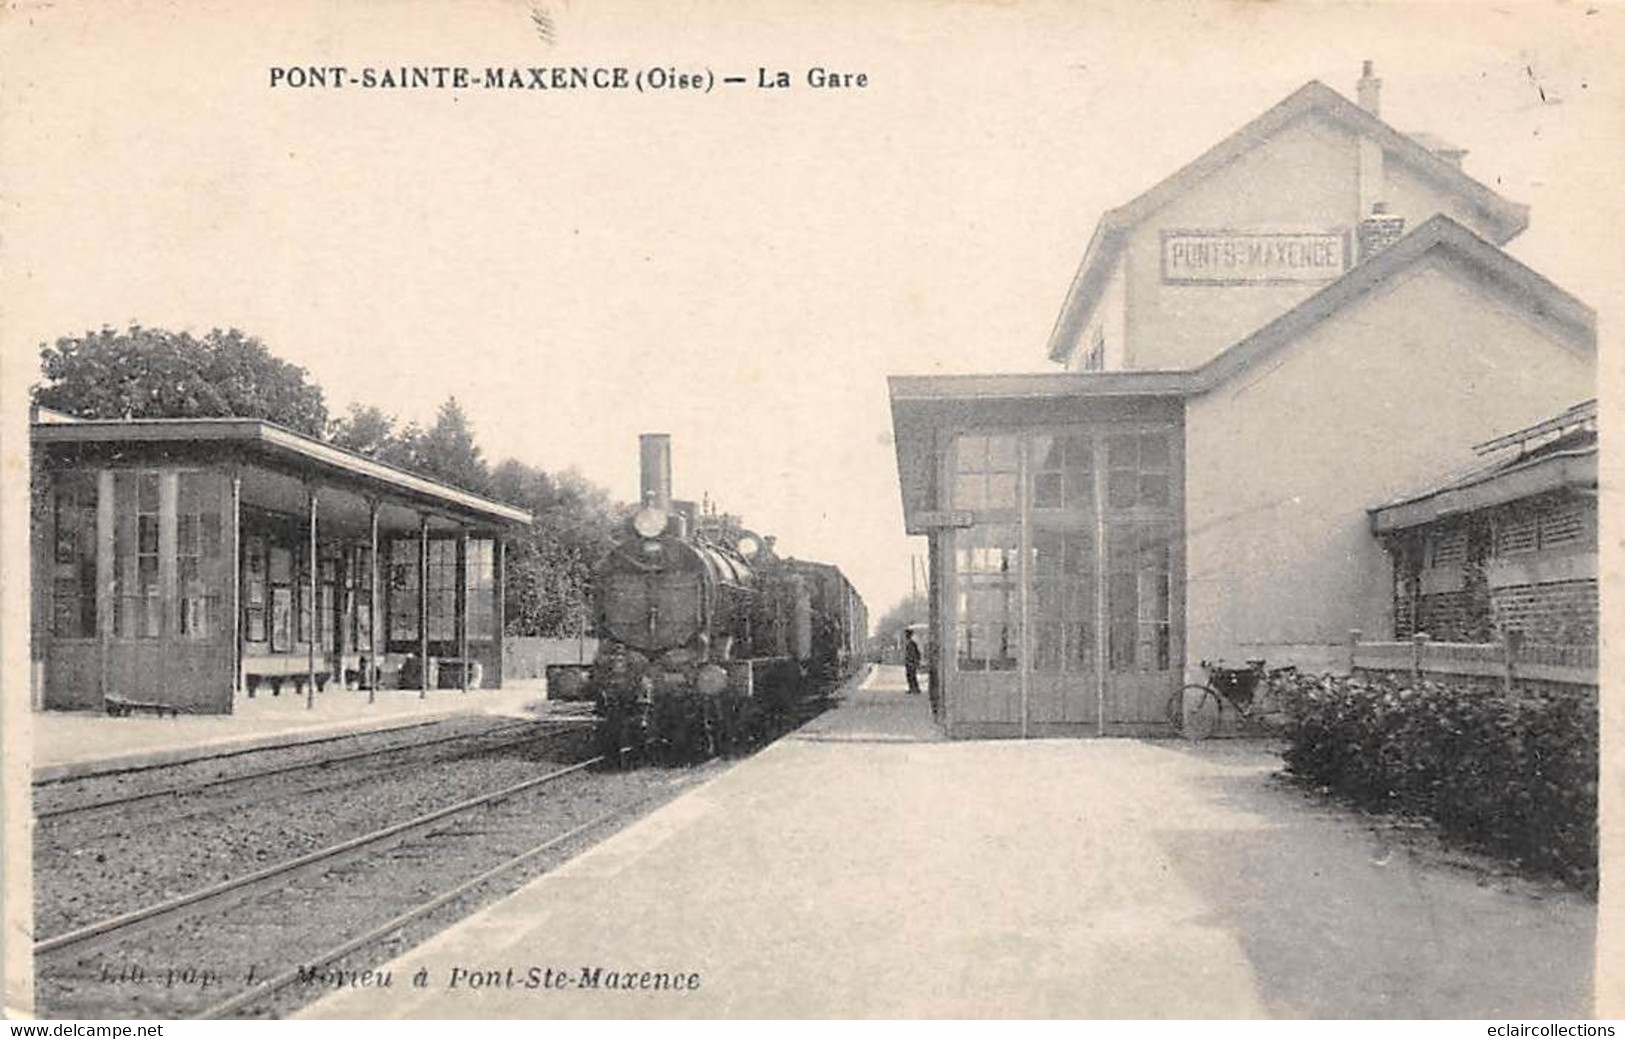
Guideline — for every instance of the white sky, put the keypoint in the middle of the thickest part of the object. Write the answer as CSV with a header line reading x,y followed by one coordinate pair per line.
x,y
741,270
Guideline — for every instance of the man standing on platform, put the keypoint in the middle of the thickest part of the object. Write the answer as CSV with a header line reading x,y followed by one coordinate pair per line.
x,y
911,661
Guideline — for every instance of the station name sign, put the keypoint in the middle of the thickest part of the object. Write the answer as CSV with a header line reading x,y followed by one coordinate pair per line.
x,y
1252,257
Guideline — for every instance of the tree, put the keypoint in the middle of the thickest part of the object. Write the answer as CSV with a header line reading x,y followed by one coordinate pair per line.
x,y
153,373
551,563
447,451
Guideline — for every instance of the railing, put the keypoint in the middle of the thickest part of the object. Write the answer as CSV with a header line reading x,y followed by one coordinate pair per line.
x,y
1509,659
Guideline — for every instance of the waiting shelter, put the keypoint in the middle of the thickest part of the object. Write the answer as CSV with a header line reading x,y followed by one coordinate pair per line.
x,y
182,563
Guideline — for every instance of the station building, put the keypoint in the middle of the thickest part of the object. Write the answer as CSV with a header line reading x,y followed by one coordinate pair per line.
x,y
185,563
1312,319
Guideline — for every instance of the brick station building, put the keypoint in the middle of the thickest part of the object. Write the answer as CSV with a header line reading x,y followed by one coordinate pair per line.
x,y
190,562
1312,319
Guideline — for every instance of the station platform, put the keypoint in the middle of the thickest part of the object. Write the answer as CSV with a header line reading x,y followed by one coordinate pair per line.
x,y
73,744
861,867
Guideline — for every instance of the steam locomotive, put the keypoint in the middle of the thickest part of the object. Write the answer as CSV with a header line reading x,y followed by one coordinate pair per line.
x,y
709,641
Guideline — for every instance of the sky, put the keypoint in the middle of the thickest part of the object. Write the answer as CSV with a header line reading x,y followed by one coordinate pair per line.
x,y
742,268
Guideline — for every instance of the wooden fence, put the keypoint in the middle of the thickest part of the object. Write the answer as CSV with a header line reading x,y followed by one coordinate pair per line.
x,y
1509,659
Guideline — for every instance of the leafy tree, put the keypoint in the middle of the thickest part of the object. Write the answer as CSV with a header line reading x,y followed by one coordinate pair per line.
x,y
551,563
153,373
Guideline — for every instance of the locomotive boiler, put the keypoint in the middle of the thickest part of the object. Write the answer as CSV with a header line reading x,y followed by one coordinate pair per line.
x,y
708,639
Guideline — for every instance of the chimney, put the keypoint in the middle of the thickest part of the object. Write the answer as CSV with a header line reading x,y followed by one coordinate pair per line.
x,y
1379,230
654,457
1372,178
1370,90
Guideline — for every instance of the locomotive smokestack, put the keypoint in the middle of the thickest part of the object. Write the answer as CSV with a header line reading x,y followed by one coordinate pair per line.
x,y
654,455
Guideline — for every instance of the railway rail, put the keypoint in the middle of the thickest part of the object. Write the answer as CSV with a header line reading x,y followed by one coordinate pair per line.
x,y
99,865
46,812
262,932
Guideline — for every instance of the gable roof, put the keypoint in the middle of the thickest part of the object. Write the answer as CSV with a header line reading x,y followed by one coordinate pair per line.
x,y
1533,294
1505,218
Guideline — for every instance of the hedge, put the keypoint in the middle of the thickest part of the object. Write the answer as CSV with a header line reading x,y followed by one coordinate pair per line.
x,y
1513,773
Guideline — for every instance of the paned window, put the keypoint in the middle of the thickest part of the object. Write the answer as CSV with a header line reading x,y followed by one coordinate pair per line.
x,y
327,590
987,577
361,586
985,472
197,556
1137,565
281,570
1063,615
1138,470
140,613
1063,471
73,562
479,588
403,589
256,588
442,590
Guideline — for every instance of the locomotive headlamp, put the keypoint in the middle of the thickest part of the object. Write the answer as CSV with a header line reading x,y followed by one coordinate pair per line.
x,y
649,522
748,546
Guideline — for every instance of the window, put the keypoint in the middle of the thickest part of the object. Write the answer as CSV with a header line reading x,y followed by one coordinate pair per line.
x,y
197,556
1553,525
256,595
1137,564
1138,470
1447,548
442,577
403,590
1095,359
301,591
987,568
1063,474
1563,526
281,569
135,547
1063,575
985,470
361,583
327,575
73,569
479,588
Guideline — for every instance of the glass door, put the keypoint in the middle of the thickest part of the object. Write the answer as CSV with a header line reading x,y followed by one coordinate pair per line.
x,y
1064,684
986,584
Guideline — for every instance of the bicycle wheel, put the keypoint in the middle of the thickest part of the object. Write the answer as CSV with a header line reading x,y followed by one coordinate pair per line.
x,y
1200,708
1174,710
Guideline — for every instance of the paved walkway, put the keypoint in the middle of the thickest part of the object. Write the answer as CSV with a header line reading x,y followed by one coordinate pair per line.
x,y
862,868
73,743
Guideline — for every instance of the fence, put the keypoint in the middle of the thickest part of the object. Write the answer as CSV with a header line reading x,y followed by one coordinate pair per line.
x,y
1508,660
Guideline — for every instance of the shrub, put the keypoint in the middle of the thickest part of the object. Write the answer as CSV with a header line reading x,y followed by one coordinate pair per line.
x,y
1510,773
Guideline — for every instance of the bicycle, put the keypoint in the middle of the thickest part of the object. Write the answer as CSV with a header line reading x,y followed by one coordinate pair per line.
x,y
1196,709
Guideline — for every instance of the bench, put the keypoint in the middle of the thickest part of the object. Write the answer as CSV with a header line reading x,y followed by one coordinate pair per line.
x,y
278,669
123,707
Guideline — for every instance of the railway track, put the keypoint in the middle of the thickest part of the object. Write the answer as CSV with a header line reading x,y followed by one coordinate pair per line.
x,y
95,865
531,729
237,946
